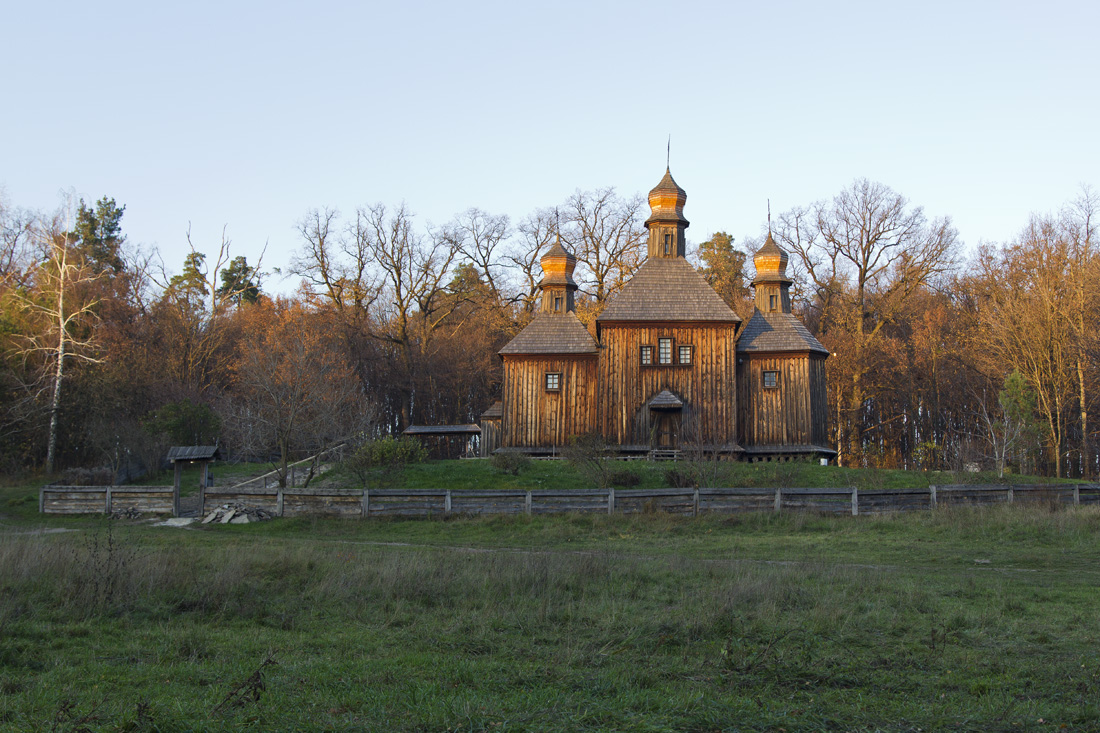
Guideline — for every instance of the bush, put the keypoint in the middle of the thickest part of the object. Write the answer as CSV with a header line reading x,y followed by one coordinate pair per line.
x,y
510,463
102,476
623,478
379,458
679,478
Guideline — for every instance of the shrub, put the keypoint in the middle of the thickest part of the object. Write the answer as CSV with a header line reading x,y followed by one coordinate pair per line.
x,y
380,458
623,478
679,478
102,476
510,463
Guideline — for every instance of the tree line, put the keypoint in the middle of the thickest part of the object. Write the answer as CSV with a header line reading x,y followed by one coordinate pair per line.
x,y
940,361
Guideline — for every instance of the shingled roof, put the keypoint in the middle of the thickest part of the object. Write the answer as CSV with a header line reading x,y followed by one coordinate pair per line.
x,y
552,333
777,332
667,289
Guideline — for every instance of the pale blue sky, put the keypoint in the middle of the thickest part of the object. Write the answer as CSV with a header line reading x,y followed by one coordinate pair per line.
x,y
247,114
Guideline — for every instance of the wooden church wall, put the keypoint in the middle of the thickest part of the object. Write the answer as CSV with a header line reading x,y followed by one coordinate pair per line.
x,y
534,417
792,413
707,385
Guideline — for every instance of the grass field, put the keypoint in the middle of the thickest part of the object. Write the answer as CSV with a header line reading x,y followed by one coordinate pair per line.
x,y
960,619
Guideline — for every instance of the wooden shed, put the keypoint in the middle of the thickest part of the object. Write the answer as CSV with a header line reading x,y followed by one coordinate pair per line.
x,y
447,441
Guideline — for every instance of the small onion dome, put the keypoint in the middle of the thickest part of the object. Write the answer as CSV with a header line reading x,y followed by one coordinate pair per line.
x,y
667,201
557,265
770,261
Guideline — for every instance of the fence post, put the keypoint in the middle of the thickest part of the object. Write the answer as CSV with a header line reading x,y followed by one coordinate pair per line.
x,y
107,501
1077,494
855,502
695,504
364,503
527,503
42,500
778,498
1011,494
611,500
447,503
932,495
278,500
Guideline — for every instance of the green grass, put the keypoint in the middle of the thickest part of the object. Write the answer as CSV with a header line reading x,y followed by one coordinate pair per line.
x,y
480,474
959,619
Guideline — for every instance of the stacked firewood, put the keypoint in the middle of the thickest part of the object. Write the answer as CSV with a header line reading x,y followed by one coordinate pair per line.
x,y
236,514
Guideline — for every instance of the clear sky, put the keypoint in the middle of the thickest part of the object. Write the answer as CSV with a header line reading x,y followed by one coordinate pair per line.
x,y
247,114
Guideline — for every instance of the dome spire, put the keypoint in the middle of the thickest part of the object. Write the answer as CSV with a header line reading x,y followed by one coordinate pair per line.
x,y
666,223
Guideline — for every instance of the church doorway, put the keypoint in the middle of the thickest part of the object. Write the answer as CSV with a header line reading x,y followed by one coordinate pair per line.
x,y
667,429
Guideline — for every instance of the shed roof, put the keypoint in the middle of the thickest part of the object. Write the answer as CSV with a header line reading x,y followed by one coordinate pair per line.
x,y
777,332
667,289
193,453
553,333
469,429
495,411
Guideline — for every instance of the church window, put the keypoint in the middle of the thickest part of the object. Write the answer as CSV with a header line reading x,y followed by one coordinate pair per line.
x,y
553,381
557,304
773,302
771,379
664,351
668,244
685,354
647,355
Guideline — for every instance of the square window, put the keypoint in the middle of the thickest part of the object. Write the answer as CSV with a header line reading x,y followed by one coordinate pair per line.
x,y
685,354
771,379
647,355
553,381
664,351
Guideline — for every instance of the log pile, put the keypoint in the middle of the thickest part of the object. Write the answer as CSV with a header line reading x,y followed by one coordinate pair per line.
x,y
236,514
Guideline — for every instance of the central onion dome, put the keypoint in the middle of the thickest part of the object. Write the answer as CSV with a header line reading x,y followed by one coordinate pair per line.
x,y
557,265
770,261
666,201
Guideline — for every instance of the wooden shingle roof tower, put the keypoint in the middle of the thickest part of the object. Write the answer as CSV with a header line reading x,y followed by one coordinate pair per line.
x,y
773,328
666,287
555,328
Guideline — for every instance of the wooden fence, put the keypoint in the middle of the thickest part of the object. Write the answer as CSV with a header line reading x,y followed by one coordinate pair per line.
x,y
108,499
290,502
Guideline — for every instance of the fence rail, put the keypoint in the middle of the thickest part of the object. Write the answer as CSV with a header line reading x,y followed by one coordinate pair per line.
x,y
108,499
288,502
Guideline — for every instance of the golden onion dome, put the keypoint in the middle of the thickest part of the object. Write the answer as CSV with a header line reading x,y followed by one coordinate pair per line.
x,y
770,260
558,264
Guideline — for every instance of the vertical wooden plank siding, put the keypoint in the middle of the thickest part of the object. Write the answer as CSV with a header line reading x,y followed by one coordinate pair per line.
x,y
535,417
793,413
707,385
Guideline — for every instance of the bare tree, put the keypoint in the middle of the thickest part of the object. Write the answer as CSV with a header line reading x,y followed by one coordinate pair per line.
x,y
298,393
537,232
66,304
480,236
413,298
607,235
865,253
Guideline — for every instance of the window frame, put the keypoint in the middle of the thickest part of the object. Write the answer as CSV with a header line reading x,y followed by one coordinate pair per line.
x,y
681,349
764,378
555,377
645,355
664,358
773,303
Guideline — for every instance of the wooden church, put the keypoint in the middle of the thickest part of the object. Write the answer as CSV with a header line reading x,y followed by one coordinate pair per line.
x,y
670,367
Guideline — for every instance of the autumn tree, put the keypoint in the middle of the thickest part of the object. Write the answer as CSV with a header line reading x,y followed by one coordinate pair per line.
x,y
65,305
723,267
865,253
296,393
